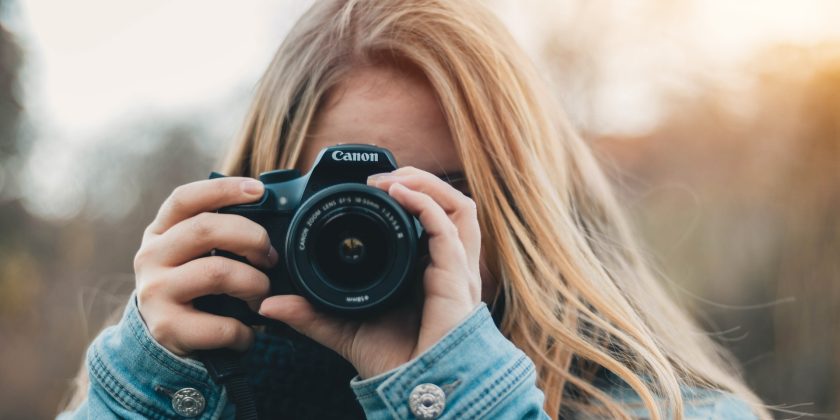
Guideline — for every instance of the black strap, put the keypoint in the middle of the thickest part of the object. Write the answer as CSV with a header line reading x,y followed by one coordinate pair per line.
x,y
225,367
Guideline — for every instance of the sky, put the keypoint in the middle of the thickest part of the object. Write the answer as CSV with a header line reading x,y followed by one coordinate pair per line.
x,y
92,65
93,61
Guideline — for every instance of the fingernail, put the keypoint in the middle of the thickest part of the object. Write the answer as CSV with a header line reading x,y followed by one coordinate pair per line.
x,y
272,255
260,310
252,187
377,178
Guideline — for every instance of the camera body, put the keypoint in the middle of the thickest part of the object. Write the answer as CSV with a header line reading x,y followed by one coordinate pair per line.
x,y
345,246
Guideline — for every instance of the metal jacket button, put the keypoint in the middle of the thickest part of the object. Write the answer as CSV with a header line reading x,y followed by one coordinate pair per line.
x,y
188,402
427,401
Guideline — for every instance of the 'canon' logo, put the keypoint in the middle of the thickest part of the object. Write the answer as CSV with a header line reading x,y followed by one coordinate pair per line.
x,y
355,156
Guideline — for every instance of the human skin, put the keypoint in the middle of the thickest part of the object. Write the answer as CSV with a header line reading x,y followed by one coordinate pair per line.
x,y
398,110
394,109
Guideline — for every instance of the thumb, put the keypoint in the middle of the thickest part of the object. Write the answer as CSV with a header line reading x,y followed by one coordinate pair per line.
x,y
299,314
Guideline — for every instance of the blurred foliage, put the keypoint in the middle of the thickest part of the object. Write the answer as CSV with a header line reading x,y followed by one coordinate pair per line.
x,y
742,209
736,191
59,280
10,103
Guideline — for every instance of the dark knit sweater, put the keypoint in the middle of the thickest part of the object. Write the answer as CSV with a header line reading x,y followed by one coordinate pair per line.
x,y
294,377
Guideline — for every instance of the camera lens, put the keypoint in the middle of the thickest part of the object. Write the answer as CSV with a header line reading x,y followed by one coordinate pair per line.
x,y
351,249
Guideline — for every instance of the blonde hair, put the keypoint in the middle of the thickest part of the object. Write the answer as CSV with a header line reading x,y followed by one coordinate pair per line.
x,y
578,296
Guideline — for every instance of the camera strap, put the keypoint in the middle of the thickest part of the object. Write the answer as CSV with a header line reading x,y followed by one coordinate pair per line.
x,y
225,367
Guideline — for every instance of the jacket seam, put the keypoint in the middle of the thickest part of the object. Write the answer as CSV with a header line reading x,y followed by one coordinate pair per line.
x,y
499,389
174,366
424,365
399,381
125,397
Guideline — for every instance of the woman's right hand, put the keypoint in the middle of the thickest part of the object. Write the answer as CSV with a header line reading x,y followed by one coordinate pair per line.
x,y
172,266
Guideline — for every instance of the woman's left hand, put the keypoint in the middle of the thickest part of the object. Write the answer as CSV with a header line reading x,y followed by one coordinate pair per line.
x,y
451,282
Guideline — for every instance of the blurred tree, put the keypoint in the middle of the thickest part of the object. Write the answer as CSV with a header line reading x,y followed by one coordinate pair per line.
x,y
86,262
60,280
738,192
15,265
10,103
19,267
806,335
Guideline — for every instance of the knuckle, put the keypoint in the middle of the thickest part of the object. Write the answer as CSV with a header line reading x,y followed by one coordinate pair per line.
x,y
178,191
200,225
263,239
149,290
264,285
140,258
450,230
176,200
148,231
432,272
227,332
227,187
428,201
467,203
224,187
145,255
162,330
414,178
215,271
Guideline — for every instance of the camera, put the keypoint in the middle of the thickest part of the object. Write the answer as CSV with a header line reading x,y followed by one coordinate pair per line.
x,y
345,246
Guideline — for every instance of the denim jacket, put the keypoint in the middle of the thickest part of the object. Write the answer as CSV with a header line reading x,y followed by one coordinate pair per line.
x,y
472,372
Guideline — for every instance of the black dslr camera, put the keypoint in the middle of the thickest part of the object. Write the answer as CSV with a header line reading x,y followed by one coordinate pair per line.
x,y
343,245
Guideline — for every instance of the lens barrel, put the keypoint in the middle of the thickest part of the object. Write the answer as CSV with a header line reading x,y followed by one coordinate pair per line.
x,y
351,248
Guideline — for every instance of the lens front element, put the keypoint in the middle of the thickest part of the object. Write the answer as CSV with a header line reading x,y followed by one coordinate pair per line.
x,y
351,248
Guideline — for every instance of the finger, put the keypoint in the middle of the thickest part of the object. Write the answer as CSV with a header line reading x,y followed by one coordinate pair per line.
x,y
195,330
450,199
460,208
216,275
445,247
200,234
299,314
184,330
208,195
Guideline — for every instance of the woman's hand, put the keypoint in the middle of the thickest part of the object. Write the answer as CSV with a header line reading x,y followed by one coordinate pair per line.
x,y
451,282
172,268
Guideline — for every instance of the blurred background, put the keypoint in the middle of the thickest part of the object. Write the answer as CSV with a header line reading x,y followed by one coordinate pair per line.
x,y
718,120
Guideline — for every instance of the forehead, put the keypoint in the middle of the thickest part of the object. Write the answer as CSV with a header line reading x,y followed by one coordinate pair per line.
x,y
397,110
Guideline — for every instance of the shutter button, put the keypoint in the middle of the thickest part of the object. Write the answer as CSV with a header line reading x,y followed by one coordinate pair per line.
x,y
426,401
188,402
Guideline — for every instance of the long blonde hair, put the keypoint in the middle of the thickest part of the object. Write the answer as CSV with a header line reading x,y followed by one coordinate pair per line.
x,y
578,296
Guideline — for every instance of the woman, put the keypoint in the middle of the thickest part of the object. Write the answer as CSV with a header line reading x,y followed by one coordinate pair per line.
x,y
582,327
